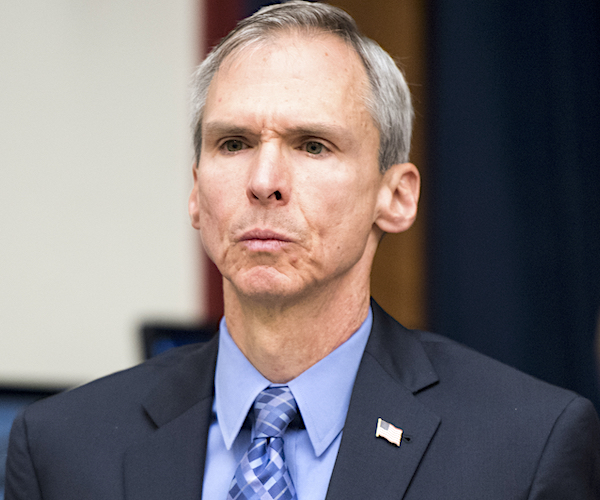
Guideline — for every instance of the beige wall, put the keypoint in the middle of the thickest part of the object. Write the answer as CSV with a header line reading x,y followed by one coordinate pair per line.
x,y
94,173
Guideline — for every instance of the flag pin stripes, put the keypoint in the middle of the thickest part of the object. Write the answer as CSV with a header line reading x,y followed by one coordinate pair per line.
x,y
387,431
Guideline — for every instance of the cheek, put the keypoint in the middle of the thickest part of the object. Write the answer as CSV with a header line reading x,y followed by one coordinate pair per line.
x,y
343,219
213,216
346,205
214,193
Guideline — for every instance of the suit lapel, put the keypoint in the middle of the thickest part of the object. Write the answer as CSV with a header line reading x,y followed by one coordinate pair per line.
x,y
169,463
394,367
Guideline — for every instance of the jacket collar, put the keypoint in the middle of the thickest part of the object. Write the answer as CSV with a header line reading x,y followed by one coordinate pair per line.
x,y
394,368
170,462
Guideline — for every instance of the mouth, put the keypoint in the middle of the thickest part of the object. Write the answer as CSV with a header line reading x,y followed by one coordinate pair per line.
x,y
264,240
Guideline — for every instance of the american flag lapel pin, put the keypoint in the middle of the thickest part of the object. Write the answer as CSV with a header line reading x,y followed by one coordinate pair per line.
x,y
387,431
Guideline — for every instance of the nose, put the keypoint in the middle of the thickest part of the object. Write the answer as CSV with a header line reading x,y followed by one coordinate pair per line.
x,y
269,176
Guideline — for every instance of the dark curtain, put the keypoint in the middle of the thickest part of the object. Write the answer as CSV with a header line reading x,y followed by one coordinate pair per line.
x,y
514,183
251,6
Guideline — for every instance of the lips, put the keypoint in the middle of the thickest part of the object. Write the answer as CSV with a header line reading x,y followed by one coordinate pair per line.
x,y
264,240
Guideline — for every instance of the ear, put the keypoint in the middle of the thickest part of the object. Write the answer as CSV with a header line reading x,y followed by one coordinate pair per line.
x,y
194,202
398,198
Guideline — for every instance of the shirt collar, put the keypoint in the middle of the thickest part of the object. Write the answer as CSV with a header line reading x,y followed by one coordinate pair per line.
x,y
322,392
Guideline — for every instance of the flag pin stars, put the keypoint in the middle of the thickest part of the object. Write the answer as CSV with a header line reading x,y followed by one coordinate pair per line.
x,y
387,431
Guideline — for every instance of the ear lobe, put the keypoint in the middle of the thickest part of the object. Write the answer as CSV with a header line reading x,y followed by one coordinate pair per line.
x,y
398,198
193,203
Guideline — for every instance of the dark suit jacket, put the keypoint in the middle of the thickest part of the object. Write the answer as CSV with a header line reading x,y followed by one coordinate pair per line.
x,y
473,429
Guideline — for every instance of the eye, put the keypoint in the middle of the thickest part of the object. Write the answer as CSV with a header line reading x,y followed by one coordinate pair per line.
x,y
233,145
314,147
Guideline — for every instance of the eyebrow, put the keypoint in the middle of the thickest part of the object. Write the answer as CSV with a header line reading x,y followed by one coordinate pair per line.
x,y
337,133
218,128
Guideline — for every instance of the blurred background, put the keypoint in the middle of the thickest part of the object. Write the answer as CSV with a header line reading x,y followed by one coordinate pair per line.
x,y
95,170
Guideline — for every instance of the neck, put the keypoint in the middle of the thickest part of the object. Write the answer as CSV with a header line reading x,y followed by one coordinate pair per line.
x,y
282,340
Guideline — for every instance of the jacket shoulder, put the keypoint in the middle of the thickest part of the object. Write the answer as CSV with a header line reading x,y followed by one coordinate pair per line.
x,y
124,390
473,374
518,436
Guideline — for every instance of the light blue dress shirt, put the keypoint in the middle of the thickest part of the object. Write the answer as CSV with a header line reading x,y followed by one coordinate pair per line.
x,y
323,395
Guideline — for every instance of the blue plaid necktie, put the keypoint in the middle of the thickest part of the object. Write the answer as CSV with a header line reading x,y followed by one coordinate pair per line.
x,y
262,473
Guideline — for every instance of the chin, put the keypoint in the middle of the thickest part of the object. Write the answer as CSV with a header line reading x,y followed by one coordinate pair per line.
x,y
266,284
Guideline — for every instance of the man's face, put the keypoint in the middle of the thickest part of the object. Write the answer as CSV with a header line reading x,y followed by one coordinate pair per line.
x,y
286,188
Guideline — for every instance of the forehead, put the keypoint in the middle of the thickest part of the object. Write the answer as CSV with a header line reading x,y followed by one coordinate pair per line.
x,y
292,72
321,47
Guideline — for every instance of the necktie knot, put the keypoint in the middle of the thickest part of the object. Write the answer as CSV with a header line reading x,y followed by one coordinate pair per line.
x,y
274,409
262,473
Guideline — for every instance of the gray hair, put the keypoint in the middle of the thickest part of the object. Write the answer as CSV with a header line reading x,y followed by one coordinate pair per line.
x,y
388,101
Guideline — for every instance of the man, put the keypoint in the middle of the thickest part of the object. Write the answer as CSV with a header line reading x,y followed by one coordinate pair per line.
x,y
310,390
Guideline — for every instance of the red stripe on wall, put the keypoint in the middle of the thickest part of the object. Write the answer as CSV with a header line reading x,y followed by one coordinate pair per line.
x,y
221,17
